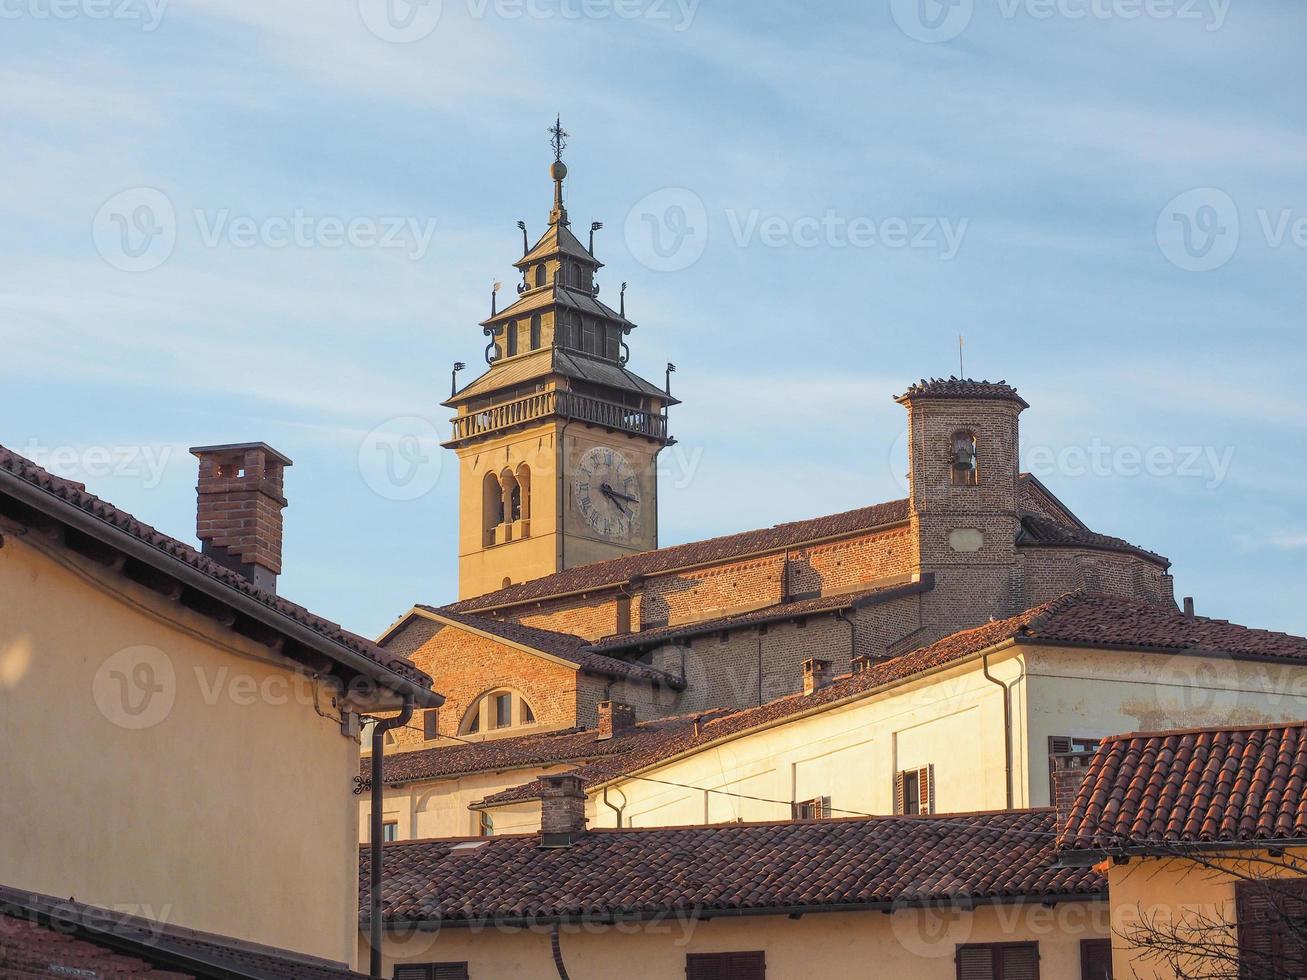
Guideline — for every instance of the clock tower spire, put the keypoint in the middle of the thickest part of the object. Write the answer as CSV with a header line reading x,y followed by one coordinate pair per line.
x,y
557,440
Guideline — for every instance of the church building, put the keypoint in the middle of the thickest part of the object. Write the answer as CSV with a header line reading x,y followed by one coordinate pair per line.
x,y
567,601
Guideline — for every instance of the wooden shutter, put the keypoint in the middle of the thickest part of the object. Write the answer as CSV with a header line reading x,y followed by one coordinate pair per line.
x,y
898,791
1019,962
726,966
430,724
998,961
926,789
1059,744
431,971
1272,927
1095,959
975,963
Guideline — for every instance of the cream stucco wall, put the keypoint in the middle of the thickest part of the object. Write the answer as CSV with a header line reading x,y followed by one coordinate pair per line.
x,y
439,807
157,764
1178,896
850,753
952,720
911,944
1095,693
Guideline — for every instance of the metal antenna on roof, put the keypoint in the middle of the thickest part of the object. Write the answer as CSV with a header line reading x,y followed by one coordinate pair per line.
x,y
961,372
525,246
622,304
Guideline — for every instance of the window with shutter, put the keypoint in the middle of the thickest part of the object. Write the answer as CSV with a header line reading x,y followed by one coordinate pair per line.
x,y
726,966
914,791
431,971
998,961
817,808
1271,917
1061,746
1095,959
431,724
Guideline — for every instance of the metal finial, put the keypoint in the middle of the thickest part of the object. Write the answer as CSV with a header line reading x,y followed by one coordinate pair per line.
x,y
558,138
622,300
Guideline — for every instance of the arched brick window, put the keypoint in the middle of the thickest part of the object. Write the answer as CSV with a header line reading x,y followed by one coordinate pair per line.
x,y
965,464
497,710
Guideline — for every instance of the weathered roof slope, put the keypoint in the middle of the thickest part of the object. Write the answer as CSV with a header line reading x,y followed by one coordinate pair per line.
x,y
808,865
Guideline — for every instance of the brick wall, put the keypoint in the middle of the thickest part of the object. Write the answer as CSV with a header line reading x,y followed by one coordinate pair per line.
x,y
464,666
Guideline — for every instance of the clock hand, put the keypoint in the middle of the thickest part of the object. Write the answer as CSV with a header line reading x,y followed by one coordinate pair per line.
x,y
612,495
609,491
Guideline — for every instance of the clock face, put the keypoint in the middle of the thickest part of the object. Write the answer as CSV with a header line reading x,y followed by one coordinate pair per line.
x,y
607,492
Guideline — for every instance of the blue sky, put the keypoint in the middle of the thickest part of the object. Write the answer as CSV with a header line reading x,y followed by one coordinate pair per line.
x,y
1108,198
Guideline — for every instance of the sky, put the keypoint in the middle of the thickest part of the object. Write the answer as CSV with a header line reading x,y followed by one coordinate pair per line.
x,y
280,220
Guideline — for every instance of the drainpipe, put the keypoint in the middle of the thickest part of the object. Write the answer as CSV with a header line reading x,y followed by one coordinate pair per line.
x,y
1007,726
379,730
853,633
617,810
558,953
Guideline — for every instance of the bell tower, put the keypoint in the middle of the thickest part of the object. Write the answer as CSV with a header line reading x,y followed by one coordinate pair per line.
x,y
557,440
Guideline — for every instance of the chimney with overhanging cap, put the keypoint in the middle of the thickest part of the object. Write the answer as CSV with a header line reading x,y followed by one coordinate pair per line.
x,y
238,510
816,675
562,810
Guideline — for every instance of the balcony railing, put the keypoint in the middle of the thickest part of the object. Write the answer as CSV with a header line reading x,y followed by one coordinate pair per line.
x,y
567,404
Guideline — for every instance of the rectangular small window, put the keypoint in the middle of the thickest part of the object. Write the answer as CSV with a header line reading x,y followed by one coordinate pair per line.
x,y
1095,959
535,331
485,824
726,966
431,724
1269,916
589,342
998,961
817,808
431,971
503,710
510,338
528,716
624,614
390,830
1062,746
914,791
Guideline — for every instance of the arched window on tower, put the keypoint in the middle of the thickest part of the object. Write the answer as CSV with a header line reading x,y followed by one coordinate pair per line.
x,y
492,506
540,274
512,496
965,468
535,331
496,711
523,476
510,337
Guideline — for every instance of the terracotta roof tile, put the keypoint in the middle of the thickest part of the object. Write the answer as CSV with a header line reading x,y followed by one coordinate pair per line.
x,y
811,606
1041,532
1151,791
1076,619
526,751
45,936
733,867
617,570
74,495
962,388
574,649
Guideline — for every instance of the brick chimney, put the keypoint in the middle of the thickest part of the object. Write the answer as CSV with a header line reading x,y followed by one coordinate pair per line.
x,y
816,675
562,810
615,717
1069,773
238,511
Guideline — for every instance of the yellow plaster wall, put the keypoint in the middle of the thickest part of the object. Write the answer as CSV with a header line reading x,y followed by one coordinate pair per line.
x,y
1180,894
910,944
229,813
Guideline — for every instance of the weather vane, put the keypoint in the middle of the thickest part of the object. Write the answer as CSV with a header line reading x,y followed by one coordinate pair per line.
x,y
558,137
